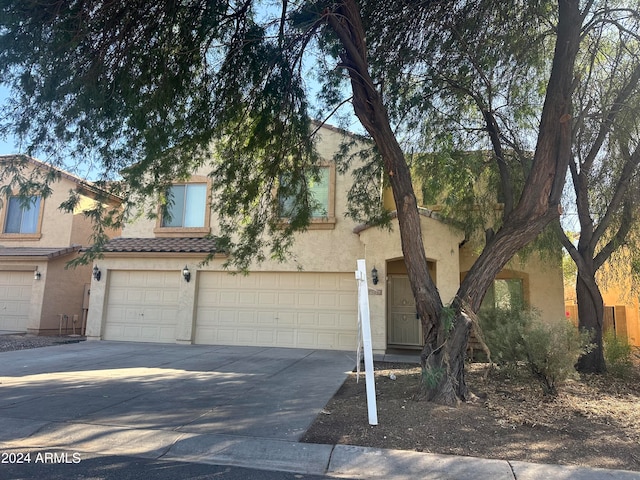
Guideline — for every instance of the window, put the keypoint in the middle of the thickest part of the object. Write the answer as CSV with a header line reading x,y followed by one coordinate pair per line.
x,y
186,206
23,215
505,293
321,190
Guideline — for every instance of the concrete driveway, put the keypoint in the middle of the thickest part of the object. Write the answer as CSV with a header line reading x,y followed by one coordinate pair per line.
x,y
156,400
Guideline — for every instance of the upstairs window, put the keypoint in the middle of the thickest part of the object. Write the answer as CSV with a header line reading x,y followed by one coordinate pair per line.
x,y
23,215
186,206
321,192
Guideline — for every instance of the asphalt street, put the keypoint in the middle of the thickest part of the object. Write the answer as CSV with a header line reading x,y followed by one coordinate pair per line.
x,y
53,464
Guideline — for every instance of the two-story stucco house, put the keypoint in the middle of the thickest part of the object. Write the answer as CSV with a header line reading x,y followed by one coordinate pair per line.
x,y
153,289
38,294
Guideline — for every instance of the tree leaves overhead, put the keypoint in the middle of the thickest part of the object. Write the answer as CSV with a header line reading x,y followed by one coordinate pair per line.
x,y
143,89
146,88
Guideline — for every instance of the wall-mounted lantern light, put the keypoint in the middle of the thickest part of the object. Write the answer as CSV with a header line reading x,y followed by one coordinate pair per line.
x,y
96,273
37,275
374,276
186,273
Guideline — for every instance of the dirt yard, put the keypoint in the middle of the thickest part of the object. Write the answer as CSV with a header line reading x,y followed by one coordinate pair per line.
x,y
593,422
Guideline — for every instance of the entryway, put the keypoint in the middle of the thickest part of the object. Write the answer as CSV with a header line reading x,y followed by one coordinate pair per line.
x,y
404,330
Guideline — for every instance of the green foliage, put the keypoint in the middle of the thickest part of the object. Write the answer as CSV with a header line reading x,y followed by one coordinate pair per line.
x,y
617,354
431,376
550,350
502,330
448,317
461,185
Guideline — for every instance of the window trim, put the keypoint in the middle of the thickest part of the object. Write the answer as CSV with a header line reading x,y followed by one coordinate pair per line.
x,y
4,211
203,231
329,221
507,274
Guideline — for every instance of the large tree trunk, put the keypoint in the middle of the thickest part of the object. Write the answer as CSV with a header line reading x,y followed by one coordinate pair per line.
x,y
538,205
446,341
370,110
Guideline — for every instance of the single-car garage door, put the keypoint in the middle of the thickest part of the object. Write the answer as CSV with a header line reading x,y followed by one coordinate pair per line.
x,y
15,298
292,309
142,306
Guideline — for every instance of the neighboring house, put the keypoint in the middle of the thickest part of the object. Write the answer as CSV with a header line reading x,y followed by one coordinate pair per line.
x,y
621,307
144,294
38,294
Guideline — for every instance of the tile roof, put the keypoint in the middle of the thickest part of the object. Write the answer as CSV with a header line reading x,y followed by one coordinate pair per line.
x,y
37,251
161,245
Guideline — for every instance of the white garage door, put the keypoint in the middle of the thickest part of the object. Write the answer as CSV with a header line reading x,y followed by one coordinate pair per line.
x,y
303,310
142,306
15,298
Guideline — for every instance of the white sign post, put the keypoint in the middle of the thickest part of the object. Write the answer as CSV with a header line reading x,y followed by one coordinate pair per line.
x,y
365,333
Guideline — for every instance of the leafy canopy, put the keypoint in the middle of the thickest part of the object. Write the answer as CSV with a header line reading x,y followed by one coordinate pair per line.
x,y
149,91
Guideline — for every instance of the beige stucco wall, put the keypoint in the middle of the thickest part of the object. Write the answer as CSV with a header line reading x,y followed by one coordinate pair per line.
x,y
441,246
545,283
56,225
59,290
58,228
63,294
333,250
316,250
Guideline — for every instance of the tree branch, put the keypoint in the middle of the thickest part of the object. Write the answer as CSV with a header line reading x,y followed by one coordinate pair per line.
x,y
619,238
605,126
630,165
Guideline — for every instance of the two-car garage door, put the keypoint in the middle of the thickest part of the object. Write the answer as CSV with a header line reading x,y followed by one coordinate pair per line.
x,y
285,309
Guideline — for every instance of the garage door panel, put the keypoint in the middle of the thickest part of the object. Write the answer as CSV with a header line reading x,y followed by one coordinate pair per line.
x,y
306,319
268,298
327,320
285,338
286,299
142,306
15,299
299,309
228,298
328,300
266,318
286,318
247,298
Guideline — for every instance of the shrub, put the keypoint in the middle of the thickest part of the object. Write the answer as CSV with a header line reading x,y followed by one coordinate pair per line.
x,y
502,332
549,350
552,350
617,354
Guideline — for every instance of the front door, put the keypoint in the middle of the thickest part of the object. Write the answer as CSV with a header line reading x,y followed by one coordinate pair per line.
x,y
404,329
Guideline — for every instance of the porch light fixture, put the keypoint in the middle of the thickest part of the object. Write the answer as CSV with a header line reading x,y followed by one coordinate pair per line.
x,y
36,274
186,274
374,276
96,273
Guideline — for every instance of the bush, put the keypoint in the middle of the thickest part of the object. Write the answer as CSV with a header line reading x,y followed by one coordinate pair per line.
x,y
617,354
550,350
502,332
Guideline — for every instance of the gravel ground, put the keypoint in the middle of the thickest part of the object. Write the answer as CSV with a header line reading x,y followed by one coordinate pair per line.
x,y
24,341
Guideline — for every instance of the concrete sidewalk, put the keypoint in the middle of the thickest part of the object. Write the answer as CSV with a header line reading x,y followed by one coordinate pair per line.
x,y
239,406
